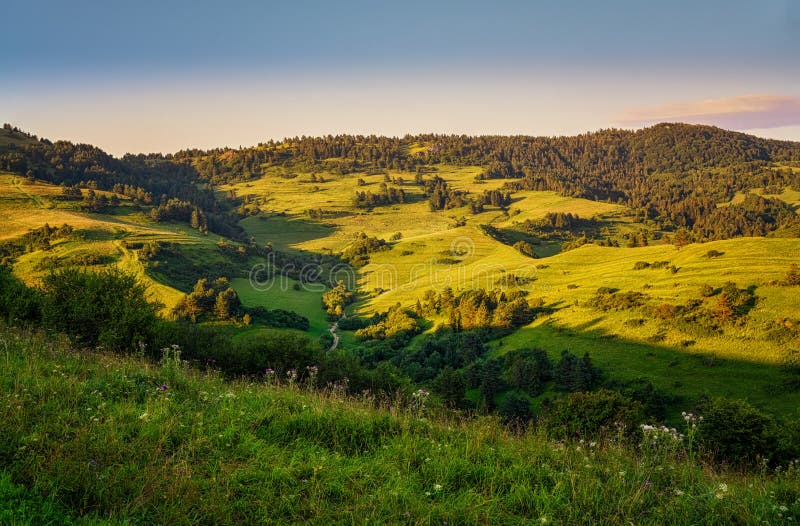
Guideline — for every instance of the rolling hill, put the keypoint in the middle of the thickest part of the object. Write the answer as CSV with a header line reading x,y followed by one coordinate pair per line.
x,y
575,225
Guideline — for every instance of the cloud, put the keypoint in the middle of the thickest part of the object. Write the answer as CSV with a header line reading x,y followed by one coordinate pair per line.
x,y
737,113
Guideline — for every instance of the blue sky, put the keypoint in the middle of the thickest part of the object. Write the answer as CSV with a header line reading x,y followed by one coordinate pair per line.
x,y
158,76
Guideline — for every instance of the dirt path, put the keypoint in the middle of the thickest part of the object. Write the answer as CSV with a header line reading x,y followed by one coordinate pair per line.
x,y
334,326
333,329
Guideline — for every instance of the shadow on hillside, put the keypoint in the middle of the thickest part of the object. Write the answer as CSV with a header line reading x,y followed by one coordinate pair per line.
x,y
284,231
686,373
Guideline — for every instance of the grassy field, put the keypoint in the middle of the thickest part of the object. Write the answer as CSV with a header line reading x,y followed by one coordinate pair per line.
x,y
672,358
98,439
435,252
280,294
26,206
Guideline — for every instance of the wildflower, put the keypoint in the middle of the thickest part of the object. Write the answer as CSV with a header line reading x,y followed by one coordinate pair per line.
x,y
163,387
269,372
722,489
143,416
647,483
677,492
437,487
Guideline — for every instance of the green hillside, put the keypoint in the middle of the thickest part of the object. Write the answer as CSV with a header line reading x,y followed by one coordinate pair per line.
x,y
418,330
91,438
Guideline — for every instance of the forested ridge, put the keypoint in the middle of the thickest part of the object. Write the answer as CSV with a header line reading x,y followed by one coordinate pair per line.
x,y
675,174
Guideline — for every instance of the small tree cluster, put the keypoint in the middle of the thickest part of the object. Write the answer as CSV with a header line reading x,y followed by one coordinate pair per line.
x,y
215,299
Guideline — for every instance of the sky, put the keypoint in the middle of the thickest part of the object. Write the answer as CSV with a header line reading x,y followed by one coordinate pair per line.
x,y
158,76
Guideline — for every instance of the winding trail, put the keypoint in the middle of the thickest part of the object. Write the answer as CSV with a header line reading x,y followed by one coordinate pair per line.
x,y
334,326
333,329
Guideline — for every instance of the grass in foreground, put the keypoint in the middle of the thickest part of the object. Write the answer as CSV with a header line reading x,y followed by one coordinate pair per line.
x,y
115,440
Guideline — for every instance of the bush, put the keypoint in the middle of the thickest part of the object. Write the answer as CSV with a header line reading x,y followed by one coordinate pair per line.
x,y
736,432
607,299
706,291
273,349
515,411
665,311
107,308
792,277
593,415
17,302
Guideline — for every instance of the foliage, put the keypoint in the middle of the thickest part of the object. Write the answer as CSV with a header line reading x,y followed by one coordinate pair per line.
x,y
386,195
575,374
107,308
596,414
17,301
209,299
336,299
190,448
606,300
35,239
792,278
478,308
397,321
736,432
357,253
515,410
528,370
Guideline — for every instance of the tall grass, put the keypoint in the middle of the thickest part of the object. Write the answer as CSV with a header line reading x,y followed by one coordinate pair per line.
x,y
110,438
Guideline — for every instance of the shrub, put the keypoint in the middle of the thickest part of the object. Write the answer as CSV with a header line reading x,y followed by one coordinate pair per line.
x,y
608,299
665,311
107,308
397,321
525,248
515,411
593,415
273,349
706,291
17,302
736,432
792,277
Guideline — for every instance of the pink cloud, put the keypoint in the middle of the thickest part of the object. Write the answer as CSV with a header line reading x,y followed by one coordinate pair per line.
x,y
737,113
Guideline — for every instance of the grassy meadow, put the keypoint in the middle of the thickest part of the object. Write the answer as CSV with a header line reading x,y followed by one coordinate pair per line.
x,y
436,252
413,418
91,438
450,249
